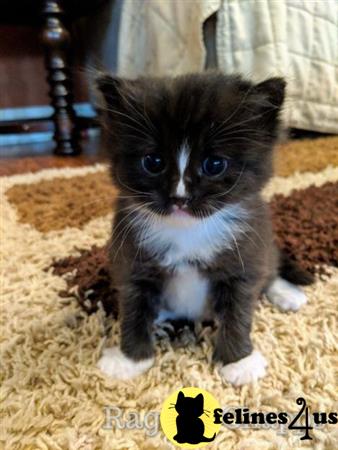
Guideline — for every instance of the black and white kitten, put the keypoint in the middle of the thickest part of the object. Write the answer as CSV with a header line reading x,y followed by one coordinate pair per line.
x,y
192,236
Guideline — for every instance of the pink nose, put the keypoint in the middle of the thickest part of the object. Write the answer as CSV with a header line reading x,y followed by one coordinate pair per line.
x,y
180,202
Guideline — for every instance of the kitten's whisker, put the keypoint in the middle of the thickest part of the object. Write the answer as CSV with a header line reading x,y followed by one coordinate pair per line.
x,y
250,119
129,187
237,131
253,230
235,242
227,119
239,135
127,125
142,137
53,213
221,127
145,135
243,231
134,210
239,254
151,219
138,196
117,236
233,186
260,144
207,230
131,118
239,124
140,132
145,227
127,229
96,201
135,205
144,116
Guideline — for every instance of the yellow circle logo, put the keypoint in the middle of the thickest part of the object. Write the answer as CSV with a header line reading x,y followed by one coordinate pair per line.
x,y
187,418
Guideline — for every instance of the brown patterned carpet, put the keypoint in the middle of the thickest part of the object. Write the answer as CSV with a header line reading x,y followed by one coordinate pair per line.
x,y
56,224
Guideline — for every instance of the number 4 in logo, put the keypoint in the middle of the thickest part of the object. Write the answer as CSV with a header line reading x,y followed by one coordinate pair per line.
x,y
293,425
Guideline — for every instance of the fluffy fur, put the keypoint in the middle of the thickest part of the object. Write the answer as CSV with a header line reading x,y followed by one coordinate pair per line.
x,y
186,243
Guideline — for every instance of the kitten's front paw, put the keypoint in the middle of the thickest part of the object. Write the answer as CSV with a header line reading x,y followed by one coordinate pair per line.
x,y
246,370
116,365
285,295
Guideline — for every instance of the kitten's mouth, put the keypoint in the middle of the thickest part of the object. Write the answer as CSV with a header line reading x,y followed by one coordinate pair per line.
x,y
177,211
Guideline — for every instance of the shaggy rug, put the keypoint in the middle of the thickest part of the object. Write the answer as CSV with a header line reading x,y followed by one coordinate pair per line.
x,y
57,313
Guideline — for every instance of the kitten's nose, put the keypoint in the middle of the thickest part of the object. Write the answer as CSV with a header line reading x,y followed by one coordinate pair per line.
x,y
180,202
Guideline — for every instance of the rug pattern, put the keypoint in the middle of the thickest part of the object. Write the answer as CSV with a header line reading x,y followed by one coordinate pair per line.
x,y
56,223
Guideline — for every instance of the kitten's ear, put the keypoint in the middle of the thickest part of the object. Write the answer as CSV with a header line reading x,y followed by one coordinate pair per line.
x,y
273,90
180,396
200,399
119,93
266,101
111,88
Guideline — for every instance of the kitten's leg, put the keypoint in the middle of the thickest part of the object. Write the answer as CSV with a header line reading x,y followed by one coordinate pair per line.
x,y
136,352
285,295
234,305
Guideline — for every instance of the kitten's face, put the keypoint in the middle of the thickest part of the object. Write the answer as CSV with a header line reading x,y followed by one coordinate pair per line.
x,y
187,147
189,406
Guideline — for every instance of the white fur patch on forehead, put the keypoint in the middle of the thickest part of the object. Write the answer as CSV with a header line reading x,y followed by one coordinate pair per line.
x,y
182,162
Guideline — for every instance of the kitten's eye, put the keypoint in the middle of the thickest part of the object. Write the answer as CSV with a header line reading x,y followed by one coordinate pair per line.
x,y
153,164
214,166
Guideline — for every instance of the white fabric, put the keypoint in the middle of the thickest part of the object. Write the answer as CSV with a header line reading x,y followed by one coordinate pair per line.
x,y
162,37
258,38
292,38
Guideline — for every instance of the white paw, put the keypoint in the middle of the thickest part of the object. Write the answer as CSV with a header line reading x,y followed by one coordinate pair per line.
x,y
246,370
116,365
285,295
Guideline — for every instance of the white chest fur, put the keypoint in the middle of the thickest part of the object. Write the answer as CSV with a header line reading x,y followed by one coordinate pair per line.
x,y
176,242
185,294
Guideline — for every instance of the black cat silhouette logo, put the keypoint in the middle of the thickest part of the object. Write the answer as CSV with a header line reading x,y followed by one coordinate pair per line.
x,y
187,418
190,428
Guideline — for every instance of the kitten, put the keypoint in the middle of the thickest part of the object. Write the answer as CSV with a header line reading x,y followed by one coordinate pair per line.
x,y
192,236
190,428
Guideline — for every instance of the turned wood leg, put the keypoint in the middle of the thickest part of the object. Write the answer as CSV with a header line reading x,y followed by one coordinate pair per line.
x,y
56,40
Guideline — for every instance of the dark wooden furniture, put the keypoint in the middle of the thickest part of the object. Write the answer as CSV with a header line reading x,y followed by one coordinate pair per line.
x,y
53,18
56,41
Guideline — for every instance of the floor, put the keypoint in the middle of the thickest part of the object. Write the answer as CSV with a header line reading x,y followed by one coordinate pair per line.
x,y
31,158
51,348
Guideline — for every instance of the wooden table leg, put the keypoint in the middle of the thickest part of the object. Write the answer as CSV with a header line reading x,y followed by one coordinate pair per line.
x,y
56,40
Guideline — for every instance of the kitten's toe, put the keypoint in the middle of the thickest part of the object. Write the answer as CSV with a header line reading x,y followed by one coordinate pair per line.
x,y
285,295
116,365
246,370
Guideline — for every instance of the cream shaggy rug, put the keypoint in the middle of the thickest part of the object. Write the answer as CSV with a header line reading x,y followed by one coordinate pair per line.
x,y
52,394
